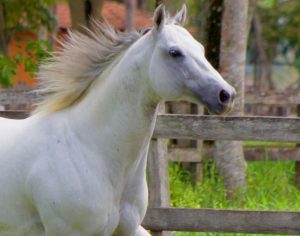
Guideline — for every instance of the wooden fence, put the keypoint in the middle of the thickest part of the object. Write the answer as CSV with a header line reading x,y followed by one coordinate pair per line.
x,y
160,218
210,220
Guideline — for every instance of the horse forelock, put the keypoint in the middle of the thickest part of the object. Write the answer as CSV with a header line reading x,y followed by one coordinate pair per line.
x,y
67,74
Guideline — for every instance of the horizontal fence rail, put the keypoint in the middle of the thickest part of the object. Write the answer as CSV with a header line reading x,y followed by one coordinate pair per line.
x,y
251,154
217,127
228,128
21,96
234,221
14,114
192,155
11,96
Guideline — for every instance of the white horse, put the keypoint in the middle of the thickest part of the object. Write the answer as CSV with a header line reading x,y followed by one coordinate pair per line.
x,y
77,166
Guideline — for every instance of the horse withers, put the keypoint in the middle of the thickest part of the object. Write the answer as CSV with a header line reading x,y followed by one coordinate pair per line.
x,y
76,167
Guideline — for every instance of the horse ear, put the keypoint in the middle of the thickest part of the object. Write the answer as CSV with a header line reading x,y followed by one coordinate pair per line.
x,y
159,17
180,17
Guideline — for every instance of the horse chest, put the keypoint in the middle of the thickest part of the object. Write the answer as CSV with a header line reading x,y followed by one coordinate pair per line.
x,y
80,191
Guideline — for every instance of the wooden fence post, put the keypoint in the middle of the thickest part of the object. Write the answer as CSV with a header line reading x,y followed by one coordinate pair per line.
x,y
195,169
199,167
158,176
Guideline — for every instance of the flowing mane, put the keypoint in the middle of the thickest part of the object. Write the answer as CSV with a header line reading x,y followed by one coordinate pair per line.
x,y
67,74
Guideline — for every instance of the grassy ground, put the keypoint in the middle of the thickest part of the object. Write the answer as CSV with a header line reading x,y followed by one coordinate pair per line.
x,y
268,144
270,187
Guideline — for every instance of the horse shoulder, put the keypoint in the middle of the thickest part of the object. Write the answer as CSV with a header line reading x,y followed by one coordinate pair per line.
x,y
65,186
71,201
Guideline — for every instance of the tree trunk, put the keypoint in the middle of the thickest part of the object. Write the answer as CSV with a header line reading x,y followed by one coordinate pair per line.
x,y
251,11
269,66
213,32
142,4
264,62
83,11
229,154
3,41
261,57
130,9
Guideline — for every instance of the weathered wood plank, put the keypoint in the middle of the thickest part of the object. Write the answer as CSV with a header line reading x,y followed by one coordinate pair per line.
x,y
225,127
14,114
251,154
158,178
234,221
158,182
228,128
158,175
11,96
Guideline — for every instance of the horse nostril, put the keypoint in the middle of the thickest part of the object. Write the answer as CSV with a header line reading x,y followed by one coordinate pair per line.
x,y
224,96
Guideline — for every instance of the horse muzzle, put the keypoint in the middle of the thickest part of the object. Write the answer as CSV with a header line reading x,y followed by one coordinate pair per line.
x,y
217,97
224,102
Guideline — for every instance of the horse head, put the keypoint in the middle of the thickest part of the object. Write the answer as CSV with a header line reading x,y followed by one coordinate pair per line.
x,y
178,67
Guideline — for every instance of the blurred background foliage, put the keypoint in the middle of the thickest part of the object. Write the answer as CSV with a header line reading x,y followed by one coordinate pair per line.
x,y
24,16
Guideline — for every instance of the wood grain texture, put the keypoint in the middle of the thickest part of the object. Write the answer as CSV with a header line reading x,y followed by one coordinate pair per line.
x,y
218,127
228,128
14,114
209,220
158,176
157,170
17,97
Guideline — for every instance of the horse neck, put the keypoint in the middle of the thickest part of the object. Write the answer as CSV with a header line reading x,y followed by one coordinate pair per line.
x,y
117,115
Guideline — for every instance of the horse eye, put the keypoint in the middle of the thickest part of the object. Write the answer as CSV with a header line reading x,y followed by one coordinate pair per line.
x,y
175,53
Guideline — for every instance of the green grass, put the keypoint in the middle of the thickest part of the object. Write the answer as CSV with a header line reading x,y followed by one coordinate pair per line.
x,y
268,144
270,187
